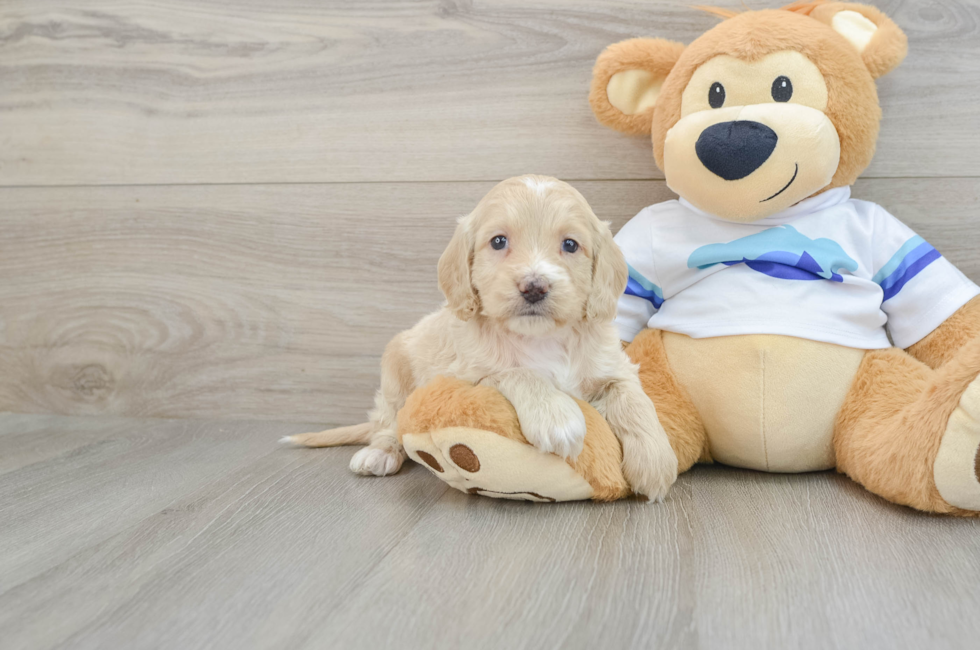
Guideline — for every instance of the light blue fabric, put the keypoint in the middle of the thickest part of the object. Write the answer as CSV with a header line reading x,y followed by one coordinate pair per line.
x,y
780,252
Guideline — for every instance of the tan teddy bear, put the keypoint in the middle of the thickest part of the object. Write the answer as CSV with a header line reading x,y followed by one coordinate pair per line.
x,y
760,304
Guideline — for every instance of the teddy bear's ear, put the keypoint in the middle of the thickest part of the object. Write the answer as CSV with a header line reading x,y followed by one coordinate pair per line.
x,y
879,40
626,82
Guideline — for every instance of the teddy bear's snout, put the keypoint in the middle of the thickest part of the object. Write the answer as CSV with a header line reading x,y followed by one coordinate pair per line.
x,y
733,150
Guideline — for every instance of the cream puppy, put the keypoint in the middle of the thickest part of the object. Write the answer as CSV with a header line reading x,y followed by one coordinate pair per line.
x,y
531,279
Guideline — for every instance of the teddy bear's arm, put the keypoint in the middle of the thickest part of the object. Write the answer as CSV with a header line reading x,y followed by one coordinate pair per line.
x,y
449,426
945,341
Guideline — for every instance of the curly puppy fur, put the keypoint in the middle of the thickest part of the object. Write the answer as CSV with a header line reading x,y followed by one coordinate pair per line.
x,y
531,278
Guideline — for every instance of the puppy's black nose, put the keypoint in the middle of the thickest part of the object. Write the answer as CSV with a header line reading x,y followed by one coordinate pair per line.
x,y
733,150
534,291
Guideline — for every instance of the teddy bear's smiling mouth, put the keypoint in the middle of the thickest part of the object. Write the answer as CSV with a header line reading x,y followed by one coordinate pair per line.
x,y
785,187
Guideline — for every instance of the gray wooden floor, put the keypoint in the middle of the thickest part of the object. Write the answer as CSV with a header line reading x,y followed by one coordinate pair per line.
x,y
184,534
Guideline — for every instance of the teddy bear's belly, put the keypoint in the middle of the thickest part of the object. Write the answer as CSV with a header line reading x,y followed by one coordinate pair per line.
x,y
767,402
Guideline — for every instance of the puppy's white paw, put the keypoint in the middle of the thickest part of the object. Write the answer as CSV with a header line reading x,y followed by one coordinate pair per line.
x,y
376,461
556,426
649,463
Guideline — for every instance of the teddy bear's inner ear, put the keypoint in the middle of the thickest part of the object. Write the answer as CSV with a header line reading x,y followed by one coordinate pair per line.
x,y
857,29
633,91
874,35
626,82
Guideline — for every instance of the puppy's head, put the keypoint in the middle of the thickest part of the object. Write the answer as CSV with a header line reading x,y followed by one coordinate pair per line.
x,y
533,257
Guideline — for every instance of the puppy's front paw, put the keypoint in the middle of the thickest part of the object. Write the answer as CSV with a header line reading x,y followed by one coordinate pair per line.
x,y
377,461
649,463
556,425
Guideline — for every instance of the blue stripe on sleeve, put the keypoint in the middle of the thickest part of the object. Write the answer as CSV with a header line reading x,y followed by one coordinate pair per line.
x,y
914,255
639,286
897,259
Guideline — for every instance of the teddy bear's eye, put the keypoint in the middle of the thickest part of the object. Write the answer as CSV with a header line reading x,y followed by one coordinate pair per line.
x,y
782,89
716,95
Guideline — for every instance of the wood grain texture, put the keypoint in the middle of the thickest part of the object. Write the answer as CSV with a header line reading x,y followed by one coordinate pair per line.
x,y
733,559
285,549
269,302
52,510
222,91
30,439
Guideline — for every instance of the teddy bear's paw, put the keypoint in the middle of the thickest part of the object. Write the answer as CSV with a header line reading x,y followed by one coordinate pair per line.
x,y
422,450
957,467
377,461
481,462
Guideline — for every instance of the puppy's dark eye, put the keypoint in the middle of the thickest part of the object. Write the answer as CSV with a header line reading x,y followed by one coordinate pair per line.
x,y
569,245
782,89
499,242
716,95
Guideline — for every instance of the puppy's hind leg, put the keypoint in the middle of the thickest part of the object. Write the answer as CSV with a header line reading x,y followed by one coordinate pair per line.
x,y
384,454
381,457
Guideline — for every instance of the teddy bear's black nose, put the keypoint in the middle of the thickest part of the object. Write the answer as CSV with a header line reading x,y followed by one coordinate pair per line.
x,y
733,150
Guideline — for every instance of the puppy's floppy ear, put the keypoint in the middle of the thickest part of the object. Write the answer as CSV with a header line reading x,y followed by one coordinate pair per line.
x,y
609,275
454,273
874,35
626,82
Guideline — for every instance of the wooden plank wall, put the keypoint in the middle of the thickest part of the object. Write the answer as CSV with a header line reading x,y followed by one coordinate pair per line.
x,y
223,209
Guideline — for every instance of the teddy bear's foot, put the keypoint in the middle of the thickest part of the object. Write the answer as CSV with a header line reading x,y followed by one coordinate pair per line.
x,y
957,466
481,462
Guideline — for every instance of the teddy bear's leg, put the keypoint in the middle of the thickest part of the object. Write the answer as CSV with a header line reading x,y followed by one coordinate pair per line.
x,y
911,433
675,410
450,414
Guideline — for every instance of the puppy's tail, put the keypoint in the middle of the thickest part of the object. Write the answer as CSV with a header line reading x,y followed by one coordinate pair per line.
x,y
358,434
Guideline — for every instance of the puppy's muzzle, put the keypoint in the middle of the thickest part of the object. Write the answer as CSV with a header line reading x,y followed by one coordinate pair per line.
x,y
533,290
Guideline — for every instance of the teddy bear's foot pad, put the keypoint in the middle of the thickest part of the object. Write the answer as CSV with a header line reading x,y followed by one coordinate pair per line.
x,y
482,462
957,467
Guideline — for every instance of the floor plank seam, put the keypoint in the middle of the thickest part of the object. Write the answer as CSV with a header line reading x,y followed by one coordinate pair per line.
x,y
417,182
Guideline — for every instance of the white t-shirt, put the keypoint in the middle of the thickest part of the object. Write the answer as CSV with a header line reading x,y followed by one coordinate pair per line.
x,y
829,268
